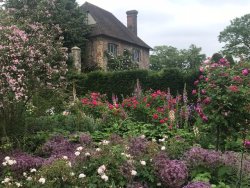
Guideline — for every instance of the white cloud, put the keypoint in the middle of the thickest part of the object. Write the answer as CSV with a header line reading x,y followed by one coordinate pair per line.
x,y
179,23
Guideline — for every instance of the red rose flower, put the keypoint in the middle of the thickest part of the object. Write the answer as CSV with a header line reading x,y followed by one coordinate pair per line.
x,y
162,121
155,116
233,88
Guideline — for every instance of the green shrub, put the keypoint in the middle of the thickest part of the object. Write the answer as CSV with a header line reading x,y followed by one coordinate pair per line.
x,y
122,83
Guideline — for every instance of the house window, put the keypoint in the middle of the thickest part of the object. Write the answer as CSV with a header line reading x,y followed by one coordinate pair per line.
x,y
136,55
112,48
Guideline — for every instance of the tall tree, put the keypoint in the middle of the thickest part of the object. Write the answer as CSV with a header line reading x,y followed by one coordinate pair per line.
x,y
192,57
236,37
164,57
169,57
65,13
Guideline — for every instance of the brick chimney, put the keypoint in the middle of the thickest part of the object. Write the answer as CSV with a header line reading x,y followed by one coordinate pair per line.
x,y
132,21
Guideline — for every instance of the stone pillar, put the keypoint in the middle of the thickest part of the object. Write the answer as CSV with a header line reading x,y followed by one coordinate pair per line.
x,y
76,55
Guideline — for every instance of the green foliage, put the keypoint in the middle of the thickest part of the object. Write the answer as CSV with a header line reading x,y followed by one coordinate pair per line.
x,y
121,62
57,175
122,83
176,146
236,37
69,123
224,95
66,13
171,57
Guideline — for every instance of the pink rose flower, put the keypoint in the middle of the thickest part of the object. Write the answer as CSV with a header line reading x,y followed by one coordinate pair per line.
x,y
196,82
247,144
194,92
245,72
207,100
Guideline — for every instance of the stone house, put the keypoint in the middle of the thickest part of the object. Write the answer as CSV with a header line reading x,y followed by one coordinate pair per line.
x,y
108,34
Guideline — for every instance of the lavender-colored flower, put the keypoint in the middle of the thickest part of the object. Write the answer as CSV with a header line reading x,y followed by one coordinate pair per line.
x,y
115,139
137,146
198,184
198,156
58,146
233,159
160,160
172,173
126,169
85,139
230,158
25,161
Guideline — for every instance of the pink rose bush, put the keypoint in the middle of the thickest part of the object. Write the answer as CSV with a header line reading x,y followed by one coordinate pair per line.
x,y
31,58
224,98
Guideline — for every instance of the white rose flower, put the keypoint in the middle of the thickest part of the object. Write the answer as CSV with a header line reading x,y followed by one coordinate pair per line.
x,y
105,142
6,180
77,153
143,163
101,170
98,149
87,154
165,136
11,162
24,174
82,175
133,172
65,113
42,180
80,148
163,148
18,184
29,178
33,170
4,163
128,155
65,157
158,184
162,140
104,177
7,158
143,136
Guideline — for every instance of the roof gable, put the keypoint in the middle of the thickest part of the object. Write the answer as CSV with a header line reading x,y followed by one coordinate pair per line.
x,y
107,24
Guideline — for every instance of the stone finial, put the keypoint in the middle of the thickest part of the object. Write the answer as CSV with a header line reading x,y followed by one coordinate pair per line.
x,y
76,55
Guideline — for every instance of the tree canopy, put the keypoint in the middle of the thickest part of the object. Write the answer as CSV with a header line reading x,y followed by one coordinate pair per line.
x,y
65,13
170,57
236,37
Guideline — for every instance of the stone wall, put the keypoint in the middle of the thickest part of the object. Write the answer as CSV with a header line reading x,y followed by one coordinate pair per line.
x,y
97,47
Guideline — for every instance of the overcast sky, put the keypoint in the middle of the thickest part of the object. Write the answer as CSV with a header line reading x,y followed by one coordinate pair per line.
x,y
179,23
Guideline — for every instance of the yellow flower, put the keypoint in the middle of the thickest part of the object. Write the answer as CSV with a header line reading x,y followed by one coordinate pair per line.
x,y
171,115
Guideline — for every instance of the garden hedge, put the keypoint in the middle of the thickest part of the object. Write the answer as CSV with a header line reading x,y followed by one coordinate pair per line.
x,y
122,83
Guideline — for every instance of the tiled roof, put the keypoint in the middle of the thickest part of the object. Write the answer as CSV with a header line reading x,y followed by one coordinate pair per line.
x,y
108,25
